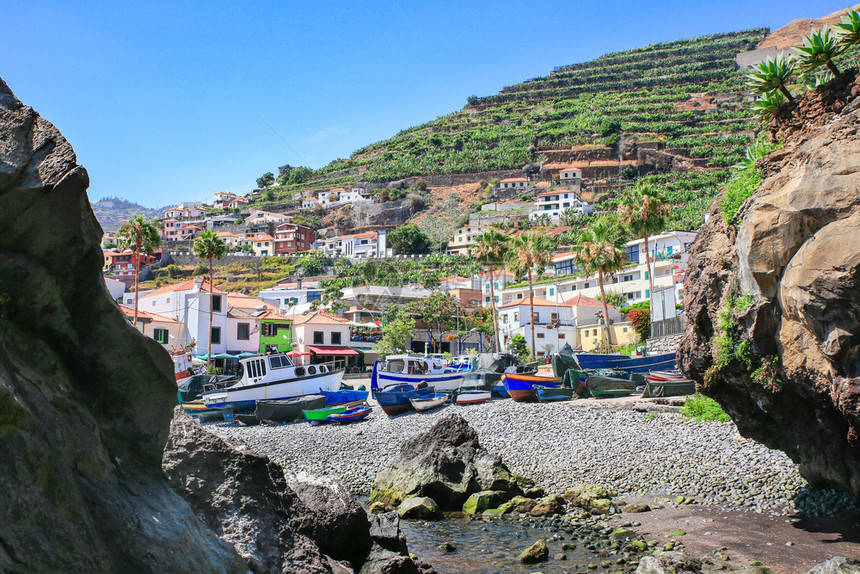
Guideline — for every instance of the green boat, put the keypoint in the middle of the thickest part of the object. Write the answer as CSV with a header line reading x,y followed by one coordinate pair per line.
x,y
317,416
599,384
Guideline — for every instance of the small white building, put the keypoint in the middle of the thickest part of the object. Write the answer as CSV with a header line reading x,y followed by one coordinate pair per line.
x,y
517,183
310,203
263,217
170,333
554,203
371,244
570,175
465,237
292,297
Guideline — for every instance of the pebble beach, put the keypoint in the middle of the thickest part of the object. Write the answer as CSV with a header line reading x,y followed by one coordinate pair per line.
x,y
559,445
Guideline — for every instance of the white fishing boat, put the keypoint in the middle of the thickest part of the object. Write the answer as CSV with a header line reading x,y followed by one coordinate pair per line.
x,y
428,403
415,369
274,377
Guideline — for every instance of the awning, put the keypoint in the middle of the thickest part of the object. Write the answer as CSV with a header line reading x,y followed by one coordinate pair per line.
x,y
297,354
332,351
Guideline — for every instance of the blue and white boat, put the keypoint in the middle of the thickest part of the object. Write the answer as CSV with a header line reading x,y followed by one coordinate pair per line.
x,y
343,396
662,362
273,377
414,370
396,399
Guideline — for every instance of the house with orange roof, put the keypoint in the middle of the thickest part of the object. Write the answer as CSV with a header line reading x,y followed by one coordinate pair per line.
x,y
169,332
184,210
370,244
222,197
190,303
553,325
326,337
231,239
264,217
464,238
262,244
236,202
310,203
515,183
554,203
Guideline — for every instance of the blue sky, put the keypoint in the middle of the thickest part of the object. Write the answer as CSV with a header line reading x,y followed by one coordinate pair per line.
x,y
161,99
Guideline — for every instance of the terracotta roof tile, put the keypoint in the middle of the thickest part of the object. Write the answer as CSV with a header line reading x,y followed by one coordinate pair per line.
x,y
141,314
537,302
184,286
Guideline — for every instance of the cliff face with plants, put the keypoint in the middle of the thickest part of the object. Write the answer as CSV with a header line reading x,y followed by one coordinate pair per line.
x,y
773,293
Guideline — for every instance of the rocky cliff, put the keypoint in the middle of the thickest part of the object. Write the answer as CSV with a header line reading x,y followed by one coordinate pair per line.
x,y
773,300
85,400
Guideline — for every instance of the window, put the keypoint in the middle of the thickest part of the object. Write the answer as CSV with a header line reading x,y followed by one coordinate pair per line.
x,y
516,317
161,336
553,318
540,335
536,317
561,336
647,293
216,303
632,253
335,338
624,329
216,335
243,331
318,338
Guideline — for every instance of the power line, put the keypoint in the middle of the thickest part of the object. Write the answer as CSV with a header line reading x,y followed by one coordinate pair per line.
x,y
283,140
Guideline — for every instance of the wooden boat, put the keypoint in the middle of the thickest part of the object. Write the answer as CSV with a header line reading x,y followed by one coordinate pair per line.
x,y
412,370
489,368
350,415
663,362
344,396
269,377
600,383
394,399
553,394
246,419
201,411
428,402
521,387
316,416
466,396
288,410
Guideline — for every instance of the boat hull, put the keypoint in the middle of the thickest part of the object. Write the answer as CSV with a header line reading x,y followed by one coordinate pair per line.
x,y
350,415
278,390
428,403
442,382
549,395
396,400
473,397
521,387
344,396
288,410
662,362
321,415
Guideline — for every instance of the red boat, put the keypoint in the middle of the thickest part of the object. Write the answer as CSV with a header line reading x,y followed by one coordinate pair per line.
x,y
521,387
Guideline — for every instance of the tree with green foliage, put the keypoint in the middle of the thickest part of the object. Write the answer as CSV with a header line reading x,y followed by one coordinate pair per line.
x,y
772,74
142,238
517,345
644,211
210,246
819,48
397,333
266,180
614,298
530,253
313,262
600,250
440,311
408,239
491,251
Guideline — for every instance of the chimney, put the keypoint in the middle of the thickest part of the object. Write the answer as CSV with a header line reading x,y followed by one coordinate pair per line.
x,y
198,282
299,283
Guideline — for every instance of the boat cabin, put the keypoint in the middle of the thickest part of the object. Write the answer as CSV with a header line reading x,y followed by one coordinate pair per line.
x,y
413,365
275,367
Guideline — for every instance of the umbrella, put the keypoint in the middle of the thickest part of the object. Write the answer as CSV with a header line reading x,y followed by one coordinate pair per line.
x,y
246,354
224,356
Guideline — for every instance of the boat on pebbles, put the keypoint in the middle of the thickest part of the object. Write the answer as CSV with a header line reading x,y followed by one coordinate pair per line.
x,y
522,387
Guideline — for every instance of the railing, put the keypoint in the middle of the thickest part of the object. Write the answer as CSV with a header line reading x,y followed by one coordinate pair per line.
x,y
667,327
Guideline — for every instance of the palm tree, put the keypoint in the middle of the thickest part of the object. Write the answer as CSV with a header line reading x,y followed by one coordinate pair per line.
x,y
210,246
491,251
530,252
644,212
819,49
600,250
773,74
141,237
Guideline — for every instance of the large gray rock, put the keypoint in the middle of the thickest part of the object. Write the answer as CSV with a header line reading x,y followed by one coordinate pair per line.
x,y
390,213
246,499
446,463
837,565
676,562
796,254
85,400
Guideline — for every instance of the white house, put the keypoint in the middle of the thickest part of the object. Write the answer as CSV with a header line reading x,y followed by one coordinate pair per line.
x,y
187,209
310,203
292,297
169,332
115,288
465,237
517,183
258,217
244,314
501,278
555,203
364,245
552,324
189,303
570,175
325,336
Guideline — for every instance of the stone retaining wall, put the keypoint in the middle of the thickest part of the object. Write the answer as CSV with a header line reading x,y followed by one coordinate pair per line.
x,y
668,344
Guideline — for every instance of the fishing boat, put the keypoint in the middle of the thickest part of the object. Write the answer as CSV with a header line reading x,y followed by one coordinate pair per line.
x,y
600,383
191,388
553,394
246,419
489,368
521,387
667,384
414,369
661,362
201,411
394,399
272,377
429,402
287,410
344,396
316,416
472,396
350,415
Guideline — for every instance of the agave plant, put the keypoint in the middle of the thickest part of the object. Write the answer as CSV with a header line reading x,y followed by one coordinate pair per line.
x,y
768,104
819,49
849,29
772,74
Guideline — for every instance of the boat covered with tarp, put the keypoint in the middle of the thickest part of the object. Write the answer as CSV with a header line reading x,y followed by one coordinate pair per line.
x,y
287,410
600,383
488,368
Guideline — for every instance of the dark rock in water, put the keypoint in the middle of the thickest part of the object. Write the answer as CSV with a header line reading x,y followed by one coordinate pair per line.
x,y
385,531
447,547
246,499
777,296
85,399
837,565
537,552
334,518
484,500
446,463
